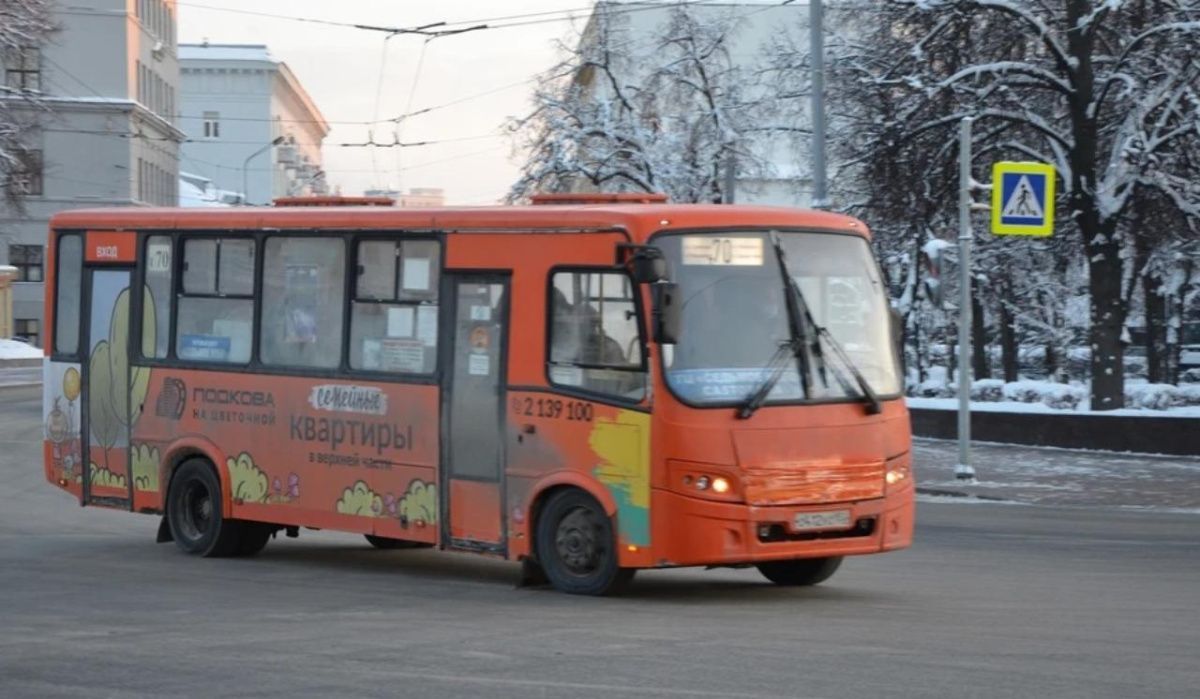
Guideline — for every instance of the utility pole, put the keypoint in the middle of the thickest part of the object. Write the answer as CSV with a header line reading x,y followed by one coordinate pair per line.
x,y
963,470
816,50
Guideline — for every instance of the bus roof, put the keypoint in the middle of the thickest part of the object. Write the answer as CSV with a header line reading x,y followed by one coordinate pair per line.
x,y
640,220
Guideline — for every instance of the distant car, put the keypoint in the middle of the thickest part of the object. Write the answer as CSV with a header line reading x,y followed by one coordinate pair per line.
x,y
26,340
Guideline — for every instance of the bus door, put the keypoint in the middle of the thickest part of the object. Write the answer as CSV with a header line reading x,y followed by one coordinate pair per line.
x,y
107,327
473,413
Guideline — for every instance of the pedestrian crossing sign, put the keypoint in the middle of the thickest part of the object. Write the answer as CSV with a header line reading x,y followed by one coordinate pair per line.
x,y
1023,199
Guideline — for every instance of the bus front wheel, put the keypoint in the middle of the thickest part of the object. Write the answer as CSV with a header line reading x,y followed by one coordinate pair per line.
x,y
576,546
194,514
804,571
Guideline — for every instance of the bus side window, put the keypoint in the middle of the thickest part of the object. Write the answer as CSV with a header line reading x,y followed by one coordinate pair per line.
x,y
595,344
216,303
394,314
69,282
159,272
302,292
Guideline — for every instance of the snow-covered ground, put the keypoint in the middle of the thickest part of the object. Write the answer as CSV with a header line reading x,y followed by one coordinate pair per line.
x,y
1016,407
15,349
1051,476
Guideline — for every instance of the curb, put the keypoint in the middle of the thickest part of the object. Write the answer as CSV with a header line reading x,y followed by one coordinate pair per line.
x,y
939,492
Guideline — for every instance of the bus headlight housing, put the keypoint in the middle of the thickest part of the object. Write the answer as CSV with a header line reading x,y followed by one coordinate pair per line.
x,y
898,473
705,481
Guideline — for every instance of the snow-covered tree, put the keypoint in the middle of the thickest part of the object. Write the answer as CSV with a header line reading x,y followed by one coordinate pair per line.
x,y
24,25
666,113
1107,90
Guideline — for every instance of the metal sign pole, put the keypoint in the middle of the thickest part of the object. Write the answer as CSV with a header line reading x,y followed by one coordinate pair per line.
x,y
816,50
963,470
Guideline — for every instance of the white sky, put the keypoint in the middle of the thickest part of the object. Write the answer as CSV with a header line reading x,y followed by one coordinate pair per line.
x,y
339,67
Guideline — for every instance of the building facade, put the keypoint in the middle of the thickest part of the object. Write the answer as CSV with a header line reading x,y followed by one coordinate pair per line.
x,y
103,134
251,126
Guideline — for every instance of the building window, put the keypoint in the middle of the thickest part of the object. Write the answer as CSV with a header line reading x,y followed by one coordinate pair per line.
x,y
595,344
25,178
24,69
394,317
27,329
212,124
28,261
216,304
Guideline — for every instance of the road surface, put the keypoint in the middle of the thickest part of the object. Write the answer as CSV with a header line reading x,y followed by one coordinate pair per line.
x,y
993,600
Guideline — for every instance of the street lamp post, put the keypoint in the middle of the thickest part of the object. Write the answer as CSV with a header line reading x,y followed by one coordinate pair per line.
x,y
246,163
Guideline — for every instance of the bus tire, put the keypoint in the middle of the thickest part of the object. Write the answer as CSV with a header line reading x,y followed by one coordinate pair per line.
x,y
800,572
576,546
194,514
386,544
255,536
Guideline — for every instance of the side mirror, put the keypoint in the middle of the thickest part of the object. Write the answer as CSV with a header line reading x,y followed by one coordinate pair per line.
x,y
645,263
667,312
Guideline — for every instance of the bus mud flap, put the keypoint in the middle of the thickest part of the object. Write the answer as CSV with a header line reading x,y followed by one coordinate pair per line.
x,y
164,532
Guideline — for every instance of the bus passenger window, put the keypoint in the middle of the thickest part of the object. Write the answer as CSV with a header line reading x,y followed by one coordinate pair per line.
x,y
158,285
302,292
595,344
70,284
394,316
216,306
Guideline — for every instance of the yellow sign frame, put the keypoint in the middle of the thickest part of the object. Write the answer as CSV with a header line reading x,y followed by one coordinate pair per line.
x,y
1043,229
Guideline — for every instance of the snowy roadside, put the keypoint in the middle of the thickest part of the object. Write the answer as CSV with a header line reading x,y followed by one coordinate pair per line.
x,y
1052,476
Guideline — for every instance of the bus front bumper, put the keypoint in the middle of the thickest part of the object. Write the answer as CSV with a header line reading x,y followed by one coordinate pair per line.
x,y
691,531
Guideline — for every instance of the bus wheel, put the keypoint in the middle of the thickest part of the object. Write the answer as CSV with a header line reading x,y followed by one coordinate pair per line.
x,y
255,536
576,547
805,571
194,512
386,544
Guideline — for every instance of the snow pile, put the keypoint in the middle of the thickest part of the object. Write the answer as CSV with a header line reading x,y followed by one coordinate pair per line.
x,y
987,391
1151,396
15,349
1188,395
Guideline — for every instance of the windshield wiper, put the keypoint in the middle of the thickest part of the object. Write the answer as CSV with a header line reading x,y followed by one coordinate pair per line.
x,y
874,406
797,313
799,320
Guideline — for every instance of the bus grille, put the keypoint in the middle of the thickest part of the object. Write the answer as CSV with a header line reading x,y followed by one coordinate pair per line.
x,y
805,483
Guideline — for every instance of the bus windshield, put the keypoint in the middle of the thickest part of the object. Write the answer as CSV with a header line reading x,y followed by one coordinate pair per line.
x,y
734,317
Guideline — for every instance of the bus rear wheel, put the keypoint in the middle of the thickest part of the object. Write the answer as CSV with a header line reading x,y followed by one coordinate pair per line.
x,y
386,544
576,546
804,571
194,514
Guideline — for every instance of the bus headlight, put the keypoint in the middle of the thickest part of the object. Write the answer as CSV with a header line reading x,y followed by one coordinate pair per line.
x,y
899,473
702,480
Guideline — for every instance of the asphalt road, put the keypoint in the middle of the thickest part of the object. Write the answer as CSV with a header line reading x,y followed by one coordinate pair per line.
x,y
993,600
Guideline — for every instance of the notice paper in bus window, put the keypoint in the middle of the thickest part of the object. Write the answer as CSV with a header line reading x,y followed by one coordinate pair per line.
x,y
204,347
716,250
400,321
401,356
416,273
427,321
158,257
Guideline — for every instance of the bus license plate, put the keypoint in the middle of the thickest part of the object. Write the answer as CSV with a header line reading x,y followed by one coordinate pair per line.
x,y
810,521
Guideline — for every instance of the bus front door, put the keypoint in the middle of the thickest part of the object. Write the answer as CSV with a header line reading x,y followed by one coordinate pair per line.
x,y
473,400
106,375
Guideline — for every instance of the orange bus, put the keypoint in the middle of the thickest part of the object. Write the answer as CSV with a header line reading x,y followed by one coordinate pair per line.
x,y
589,385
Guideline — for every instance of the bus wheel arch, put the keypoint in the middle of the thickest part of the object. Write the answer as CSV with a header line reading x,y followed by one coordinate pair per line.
x,y
575,543
545,489
182,450
196,512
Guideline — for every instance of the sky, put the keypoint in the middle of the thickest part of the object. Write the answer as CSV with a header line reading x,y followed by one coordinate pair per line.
x,y
340,68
